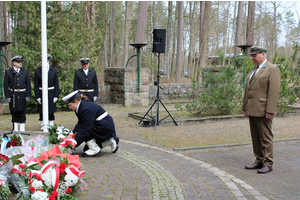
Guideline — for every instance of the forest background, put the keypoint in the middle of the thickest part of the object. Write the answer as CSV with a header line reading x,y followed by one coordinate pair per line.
x,y
196,30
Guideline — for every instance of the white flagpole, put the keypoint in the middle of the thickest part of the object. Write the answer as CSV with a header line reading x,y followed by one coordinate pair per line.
x,y
44,67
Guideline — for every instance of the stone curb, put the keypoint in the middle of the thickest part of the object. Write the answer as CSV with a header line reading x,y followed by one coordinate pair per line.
x,y
208,119
229,180
228,145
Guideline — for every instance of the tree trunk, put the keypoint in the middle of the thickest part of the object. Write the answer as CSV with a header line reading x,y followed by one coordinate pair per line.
x,y
7,32
169,39
154,70
179,42
226,38
93,13
106,36
141,22
202,7
275,27
87,11
232,32
250,23
141,26
191,54
126,30
1,21
203,37
24,14
112,34
195,58
218,25
239,21
153,15
173,59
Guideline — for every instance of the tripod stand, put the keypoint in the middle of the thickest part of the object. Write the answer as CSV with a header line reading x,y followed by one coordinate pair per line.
x,y
157,101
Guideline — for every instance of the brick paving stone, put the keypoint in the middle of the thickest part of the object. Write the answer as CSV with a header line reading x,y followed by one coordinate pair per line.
x,y
148,171
188,173
281,183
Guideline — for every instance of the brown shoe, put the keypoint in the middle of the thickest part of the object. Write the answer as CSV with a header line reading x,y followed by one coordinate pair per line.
x,y
265,169
254,166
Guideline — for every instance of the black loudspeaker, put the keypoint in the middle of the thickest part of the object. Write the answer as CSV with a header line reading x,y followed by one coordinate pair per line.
x,y
159,40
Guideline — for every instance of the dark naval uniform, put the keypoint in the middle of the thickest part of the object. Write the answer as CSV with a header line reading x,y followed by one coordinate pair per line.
x,y
53,90
86,83
17,87
93,122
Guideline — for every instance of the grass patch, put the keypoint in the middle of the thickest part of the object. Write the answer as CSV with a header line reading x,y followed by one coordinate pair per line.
x,y
214,133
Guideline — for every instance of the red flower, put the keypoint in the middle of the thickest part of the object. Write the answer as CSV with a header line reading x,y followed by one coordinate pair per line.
x,y
38,177
68,190
54,193
61,171
4,158
30,182
68,142
62,168
51,197
41,190
8,145
14,141
32,189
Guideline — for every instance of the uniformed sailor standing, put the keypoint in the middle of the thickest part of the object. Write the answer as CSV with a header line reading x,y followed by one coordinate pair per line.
x,y
95,126
53,91
17,91
85,80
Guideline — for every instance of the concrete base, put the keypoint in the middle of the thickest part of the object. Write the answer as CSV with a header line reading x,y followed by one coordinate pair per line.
x,y
4,108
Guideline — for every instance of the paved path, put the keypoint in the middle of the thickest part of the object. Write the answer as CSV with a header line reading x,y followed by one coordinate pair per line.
x,y
144,171
282,183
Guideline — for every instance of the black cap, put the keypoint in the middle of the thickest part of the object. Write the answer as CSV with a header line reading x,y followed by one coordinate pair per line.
x,y
49,57
84,60
70,97
17,59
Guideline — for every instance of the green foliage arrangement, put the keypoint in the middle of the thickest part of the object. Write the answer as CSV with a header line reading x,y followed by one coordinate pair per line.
x,y
4,192
289,69
222,93
53,135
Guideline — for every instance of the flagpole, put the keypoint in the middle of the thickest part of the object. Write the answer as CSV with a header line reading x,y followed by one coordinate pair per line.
x,y
44,67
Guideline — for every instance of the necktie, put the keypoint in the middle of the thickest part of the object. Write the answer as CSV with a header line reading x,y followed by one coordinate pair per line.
x,y
256,68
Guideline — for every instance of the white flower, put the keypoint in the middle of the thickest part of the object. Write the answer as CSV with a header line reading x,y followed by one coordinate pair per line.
x,y
62,189
71,180
47,178
38,195
37,184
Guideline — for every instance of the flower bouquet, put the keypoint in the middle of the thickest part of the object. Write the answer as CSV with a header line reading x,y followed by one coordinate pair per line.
x,y
14,141
62,137
53,175
37,145
6,164
4,174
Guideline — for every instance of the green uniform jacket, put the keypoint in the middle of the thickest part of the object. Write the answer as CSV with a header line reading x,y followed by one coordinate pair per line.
x,y
261,96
